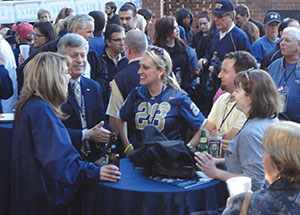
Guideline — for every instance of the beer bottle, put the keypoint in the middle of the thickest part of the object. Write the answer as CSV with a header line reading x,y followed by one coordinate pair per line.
x,y
114,157
202,146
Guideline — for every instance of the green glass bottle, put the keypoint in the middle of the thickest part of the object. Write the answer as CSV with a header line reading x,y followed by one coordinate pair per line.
x,y
202,146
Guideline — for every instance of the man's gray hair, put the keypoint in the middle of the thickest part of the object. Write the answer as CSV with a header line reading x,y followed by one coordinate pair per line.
x,y
295,30
136,40
79,21
71,40
43,11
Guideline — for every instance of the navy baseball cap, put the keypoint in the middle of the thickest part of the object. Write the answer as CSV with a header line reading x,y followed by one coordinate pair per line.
x,y
223,6
272,17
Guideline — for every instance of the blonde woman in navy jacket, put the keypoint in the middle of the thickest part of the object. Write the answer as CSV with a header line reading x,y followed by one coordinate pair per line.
x,y
44,162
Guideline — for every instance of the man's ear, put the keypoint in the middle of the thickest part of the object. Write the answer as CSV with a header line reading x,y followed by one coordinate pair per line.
x,y
75,30
107,42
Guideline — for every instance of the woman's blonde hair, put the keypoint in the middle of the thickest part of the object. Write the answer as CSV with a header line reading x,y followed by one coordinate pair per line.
x,y
43,77
282,142
141,22
163,60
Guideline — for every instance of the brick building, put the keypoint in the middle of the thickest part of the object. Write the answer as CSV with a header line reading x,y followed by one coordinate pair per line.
x,y
258,8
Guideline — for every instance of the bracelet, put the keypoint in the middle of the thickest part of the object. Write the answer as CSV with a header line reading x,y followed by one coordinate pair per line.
x,y
127,148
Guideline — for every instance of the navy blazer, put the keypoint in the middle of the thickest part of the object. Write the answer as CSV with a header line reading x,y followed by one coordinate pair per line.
x,y
94,110
44,163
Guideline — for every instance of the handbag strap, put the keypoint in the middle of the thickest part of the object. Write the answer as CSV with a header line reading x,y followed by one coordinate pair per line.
x,y
246,202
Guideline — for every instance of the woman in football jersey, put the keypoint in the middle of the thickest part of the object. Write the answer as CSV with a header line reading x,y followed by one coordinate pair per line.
x,y
158,101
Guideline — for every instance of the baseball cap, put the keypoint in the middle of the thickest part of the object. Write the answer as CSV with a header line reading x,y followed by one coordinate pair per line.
x,y
223,6
272,17
24,29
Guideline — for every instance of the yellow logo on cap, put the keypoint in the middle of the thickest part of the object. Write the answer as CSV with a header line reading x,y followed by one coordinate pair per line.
x,y
219,6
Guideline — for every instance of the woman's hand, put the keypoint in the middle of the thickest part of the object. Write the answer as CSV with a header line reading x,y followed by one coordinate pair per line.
x,y
225,144
207,164
109,173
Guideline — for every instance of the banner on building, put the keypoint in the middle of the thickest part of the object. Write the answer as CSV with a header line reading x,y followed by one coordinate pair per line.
x,y
20,11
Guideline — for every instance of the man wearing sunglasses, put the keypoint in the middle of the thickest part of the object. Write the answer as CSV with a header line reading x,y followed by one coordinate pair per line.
x,y
226,39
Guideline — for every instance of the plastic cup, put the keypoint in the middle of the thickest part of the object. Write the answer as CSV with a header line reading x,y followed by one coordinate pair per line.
x,y
24,50
237,185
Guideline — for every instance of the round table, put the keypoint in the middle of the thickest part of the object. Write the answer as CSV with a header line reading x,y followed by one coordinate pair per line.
x,y
135,193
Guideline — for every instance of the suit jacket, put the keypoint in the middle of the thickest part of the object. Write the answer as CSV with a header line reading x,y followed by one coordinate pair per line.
x,y
98,67
94,111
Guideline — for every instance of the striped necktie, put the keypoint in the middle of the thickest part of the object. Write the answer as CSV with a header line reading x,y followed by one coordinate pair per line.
x,y
77,93
85,147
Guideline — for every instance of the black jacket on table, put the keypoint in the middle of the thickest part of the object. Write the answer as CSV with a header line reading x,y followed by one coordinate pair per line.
x,y
94,111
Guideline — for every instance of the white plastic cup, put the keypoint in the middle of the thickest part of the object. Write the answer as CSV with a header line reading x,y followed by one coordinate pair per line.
x,y
237,185
24,50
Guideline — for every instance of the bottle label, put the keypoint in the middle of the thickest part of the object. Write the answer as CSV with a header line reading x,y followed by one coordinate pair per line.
x,y
202,147
203,140
214,148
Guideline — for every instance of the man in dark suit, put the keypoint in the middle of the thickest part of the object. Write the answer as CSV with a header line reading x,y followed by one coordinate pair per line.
x,y
96,69
85,109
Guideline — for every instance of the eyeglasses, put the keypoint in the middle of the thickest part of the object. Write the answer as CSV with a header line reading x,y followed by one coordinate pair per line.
x,y
220,16
118,40
37,36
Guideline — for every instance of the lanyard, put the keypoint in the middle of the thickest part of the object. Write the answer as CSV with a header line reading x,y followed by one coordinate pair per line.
x,y
243,126
227,115
286,77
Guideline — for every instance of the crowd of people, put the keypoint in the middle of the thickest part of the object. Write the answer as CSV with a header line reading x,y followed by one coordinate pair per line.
x,y
91,76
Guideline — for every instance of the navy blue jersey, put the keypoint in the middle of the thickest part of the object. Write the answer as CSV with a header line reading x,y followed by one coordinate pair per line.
x,y
167,112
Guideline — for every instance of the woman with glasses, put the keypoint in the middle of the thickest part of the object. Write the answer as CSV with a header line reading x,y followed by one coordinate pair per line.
x,y
281,163
43,32
256,95
46,169
158,101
